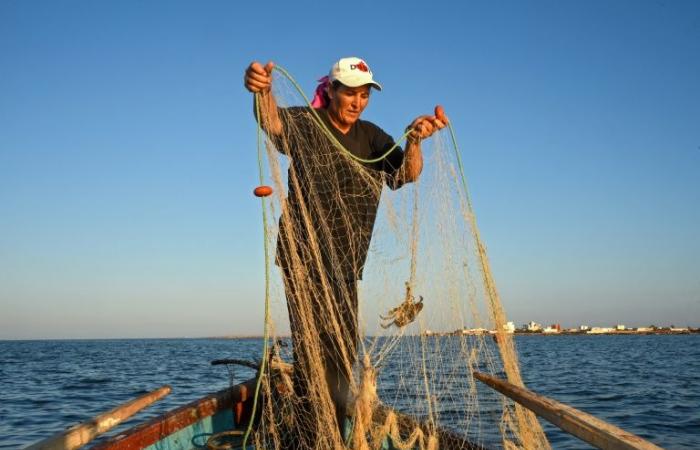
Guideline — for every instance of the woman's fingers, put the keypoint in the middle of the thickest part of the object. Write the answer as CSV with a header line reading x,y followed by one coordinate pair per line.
x,y
440,114
426,128
418,120
256,84
258,78
439,124
256,67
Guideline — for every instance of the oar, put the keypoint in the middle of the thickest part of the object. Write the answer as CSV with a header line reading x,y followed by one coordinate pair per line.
x,y
590,429
79,435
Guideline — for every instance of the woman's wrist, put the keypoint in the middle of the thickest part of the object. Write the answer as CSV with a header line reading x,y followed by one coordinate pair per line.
x,y
412,137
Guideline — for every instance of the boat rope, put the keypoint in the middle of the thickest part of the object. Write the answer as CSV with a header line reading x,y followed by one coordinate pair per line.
x,y
266,331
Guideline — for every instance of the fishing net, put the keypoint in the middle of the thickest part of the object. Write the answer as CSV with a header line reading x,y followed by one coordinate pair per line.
x,y
384,361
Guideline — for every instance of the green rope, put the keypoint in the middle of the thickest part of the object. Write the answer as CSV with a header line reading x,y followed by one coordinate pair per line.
x,y
328,132
461,166
263,364
463,178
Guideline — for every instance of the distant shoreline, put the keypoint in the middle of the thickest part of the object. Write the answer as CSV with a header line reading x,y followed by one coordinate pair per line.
x,y
517,333
254,337
608,333
581,333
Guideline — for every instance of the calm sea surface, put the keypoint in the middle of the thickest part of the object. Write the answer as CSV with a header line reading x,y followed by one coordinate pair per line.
x,y
649,385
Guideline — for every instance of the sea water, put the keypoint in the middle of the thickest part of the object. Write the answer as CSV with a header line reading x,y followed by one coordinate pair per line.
x,y
648,385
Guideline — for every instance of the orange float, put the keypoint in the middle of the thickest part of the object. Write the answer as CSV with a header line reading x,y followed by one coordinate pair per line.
x,y
440,114
262,191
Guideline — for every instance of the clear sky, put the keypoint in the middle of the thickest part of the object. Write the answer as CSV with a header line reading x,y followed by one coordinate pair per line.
x,y
127,152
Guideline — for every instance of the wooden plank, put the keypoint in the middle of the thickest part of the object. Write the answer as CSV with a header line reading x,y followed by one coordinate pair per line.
x,y
79,435
160,427
584,426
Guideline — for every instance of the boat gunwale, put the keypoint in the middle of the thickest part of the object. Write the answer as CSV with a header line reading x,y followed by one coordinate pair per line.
x,y
168,423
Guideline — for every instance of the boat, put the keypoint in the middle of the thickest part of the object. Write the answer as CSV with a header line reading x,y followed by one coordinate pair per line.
x,y
219,421
216,421
225,413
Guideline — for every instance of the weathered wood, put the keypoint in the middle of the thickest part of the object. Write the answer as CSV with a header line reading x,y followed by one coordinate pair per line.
x,y
79,435
584,426
239,398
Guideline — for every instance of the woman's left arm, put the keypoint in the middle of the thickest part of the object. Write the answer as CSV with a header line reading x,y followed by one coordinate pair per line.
x,y
421,128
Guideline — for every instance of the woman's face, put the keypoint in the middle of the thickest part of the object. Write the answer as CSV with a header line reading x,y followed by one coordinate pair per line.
x,y
347,103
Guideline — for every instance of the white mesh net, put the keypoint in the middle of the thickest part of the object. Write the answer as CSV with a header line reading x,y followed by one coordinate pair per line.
x,y
381,362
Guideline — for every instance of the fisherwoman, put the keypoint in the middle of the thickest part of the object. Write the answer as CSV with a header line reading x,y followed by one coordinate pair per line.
x,y
322,253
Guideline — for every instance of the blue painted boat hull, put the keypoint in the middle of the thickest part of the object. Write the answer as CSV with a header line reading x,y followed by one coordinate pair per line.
x,y
190,426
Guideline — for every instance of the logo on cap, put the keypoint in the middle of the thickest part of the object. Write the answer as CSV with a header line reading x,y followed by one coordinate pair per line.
x,y
361,66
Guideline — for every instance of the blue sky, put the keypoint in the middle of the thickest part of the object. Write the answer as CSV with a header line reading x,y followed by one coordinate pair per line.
x,y
127,152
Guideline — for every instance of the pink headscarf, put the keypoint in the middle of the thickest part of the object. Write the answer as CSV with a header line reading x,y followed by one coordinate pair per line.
x,y
321,97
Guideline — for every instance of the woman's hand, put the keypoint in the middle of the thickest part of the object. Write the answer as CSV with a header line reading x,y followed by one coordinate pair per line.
x,y
258,78
424,126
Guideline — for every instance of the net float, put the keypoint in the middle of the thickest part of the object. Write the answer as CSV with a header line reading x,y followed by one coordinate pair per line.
x,y
262,191
440,114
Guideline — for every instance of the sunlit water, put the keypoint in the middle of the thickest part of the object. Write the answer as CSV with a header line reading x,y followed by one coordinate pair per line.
x,y
649,385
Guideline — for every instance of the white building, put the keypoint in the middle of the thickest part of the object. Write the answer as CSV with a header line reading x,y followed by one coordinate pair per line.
x,y
474,331
534,326
509,327
600,330
620,327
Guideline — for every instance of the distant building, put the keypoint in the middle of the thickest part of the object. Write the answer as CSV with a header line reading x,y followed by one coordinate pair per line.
x,y
584,328
620,327
509,327
534,326
644,330
552,329
600,330
679,329
474,331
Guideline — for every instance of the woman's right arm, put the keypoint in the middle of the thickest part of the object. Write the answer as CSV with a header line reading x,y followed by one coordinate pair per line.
x,y
258,80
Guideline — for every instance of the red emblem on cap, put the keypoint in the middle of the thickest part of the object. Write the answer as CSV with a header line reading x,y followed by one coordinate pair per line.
x,y
361,65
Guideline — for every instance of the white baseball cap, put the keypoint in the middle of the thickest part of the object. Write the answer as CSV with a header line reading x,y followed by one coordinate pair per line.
x,y
353,72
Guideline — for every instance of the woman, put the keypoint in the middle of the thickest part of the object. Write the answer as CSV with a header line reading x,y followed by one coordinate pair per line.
x,y
328,218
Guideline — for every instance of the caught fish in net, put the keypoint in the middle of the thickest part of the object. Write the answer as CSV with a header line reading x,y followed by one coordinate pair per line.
x,y
371,364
